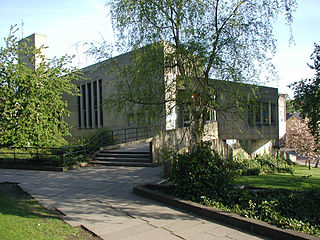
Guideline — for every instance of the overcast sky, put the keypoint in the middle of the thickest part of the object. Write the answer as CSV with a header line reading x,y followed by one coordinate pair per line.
x,y
69,23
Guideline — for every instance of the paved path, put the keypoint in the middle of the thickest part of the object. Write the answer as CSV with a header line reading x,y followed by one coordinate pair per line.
x,y
101,200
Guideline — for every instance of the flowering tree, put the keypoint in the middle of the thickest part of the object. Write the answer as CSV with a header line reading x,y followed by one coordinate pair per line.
x,y
300,139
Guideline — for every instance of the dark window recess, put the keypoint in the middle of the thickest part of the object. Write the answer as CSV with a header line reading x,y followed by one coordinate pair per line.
x,y
141,119
100,102
265,110
84,105
89,105
258,114
251,115
186,117
273,113
130,118
79,109
95,104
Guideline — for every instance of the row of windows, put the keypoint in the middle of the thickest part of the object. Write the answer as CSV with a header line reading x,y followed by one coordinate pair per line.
x,y
262,113
210,116
140,119
90,111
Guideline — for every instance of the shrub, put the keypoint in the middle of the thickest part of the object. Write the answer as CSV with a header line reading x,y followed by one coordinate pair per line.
x,y
283,208
265,163
201,172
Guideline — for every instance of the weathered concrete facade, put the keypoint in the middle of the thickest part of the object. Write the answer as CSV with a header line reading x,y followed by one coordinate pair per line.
x,y
255,126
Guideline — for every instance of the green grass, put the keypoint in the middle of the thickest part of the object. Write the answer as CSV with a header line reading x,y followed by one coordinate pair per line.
x,y
21,217
303,179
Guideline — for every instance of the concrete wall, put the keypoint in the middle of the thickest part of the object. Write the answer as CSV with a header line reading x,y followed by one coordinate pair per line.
x,y
111,119
34,40
234,124
282,115
178,140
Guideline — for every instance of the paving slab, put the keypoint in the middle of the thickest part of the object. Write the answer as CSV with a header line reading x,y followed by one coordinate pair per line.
x,y
101,200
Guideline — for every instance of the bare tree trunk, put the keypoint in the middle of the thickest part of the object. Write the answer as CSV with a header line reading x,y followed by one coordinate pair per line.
x,y
317,163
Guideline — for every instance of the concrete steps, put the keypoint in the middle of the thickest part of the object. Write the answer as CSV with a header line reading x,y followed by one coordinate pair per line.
x,y
123,158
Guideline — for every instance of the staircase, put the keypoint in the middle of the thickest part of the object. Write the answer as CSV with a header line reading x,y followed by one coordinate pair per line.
x,y
134,156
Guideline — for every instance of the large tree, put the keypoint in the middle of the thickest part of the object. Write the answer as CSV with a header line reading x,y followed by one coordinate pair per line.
x,y
229,40
31,106
307,95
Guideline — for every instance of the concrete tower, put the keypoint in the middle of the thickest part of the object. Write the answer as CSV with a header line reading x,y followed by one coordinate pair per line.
x,y
36,40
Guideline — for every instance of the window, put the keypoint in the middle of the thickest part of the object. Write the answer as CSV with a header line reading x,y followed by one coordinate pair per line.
x,y
130,118
89,105
79,109
141,119
251,115
90,110
273,113
84,105
265,111
258,113
210,116
186,117
100,103
95,105
262,114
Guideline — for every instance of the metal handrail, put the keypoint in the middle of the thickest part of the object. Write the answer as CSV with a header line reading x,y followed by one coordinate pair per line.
x,y
64,155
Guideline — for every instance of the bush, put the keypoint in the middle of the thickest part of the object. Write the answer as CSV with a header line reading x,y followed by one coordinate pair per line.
x,y
265,163
201,172
283,208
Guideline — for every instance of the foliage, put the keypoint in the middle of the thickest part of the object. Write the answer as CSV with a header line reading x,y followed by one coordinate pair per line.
x,y
291,107
201,171
201,40
266,163
31,88
301,140
307,95
283,208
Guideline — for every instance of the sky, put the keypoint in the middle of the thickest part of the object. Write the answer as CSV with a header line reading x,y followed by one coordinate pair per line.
x,y
68,24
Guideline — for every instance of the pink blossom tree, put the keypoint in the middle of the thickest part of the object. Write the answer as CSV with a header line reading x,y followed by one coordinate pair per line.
x,y
300,139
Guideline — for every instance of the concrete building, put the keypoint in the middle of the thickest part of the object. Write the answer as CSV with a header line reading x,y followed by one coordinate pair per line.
x,y
256,126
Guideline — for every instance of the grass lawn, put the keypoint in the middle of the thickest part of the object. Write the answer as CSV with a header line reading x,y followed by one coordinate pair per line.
x,y
21,217
303,179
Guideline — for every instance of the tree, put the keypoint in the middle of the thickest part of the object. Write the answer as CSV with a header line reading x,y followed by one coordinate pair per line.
x,y
300,139
307,95
229,40
31,106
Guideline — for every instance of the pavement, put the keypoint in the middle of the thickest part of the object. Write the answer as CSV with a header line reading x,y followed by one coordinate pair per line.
x,y
101,200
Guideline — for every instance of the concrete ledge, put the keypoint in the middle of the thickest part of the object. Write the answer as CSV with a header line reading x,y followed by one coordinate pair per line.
x,y
248,224
127,144
43,168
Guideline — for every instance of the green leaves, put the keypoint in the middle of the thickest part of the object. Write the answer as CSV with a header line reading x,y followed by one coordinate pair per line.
x,y
31,105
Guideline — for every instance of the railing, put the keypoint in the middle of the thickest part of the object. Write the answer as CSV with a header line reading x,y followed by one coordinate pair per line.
x,y
68,155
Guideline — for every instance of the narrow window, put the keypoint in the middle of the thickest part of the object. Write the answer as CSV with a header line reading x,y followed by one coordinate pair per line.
x,y
95,104
251,115
141,119
258,114
265,110
186,117
100,102
79,109
273,113
89,104
130,118
84,105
